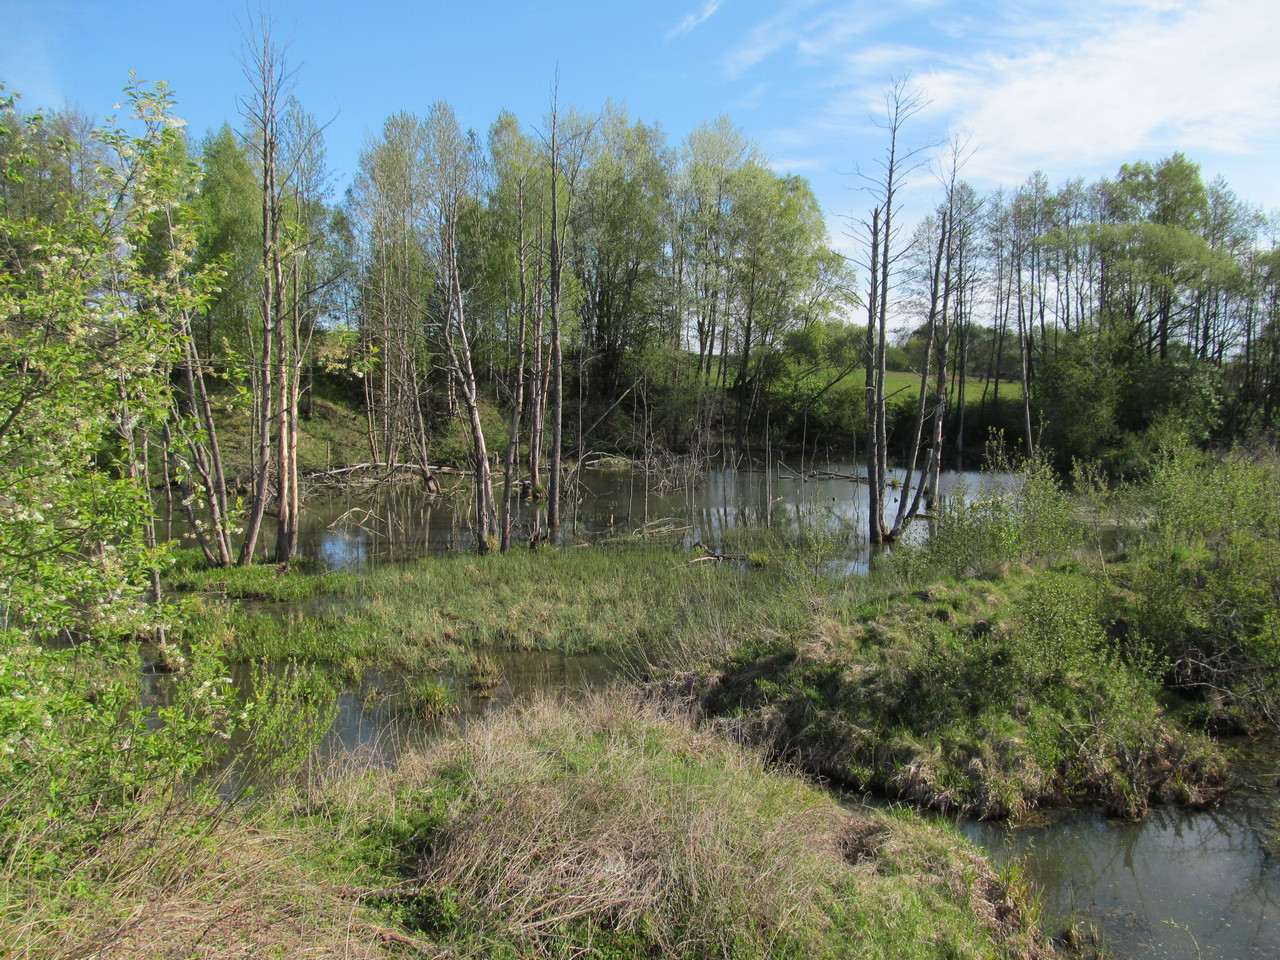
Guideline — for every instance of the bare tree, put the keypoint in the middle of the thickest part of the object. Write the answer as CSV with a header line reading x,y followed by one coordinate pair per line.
x,y
902,102
566,140
454,180
265,70
516,204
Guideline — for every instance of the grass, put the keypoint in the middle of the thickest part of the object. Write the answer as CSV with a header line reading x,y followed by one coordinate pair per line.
x,y
611,828
193,882
1005,663
644,603
983,698
1009,662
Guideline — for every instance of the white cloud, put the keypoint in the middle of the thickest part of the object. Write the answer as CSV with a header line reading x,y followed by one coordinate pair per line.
x,y
767,38
1163,77
1073,88
694,20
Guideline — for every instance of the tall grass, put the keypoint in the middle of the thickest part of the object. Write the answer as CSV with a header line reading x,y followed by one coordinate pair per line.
x,y
194,881
643,603
1007,662
610,828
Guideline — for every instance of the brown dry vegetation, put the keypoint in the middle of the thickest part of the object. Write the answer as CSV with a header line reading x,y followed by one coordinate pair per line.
x,y
615,829
193,884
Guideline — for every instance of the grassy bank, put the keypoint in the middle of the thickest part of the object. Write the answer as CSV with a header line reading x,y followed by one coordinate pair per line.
x,y
609,829
1014,660
1017,660
982,698
643,603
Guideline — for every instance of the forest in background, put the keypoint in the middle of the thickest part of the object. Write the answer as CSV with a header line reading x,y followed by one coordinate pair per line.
x,y
511,302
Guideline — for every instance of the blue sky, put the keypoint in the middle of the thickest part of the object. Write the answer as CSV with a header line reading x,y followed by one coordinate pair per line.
x,y
1071,88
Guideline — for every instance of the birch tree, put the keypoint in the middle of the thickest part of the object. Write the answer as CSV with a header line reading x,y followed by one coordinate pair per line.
x,y
453,178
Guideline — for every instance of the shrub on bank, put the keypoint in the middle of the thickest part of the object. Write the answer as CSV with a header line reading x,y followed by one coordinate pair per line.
x,y
978,697
1051,671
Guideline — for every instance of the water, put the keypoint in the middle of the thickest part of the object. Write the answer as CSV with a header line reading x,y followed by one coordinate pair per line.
x,y
399,522
373,720
1179,884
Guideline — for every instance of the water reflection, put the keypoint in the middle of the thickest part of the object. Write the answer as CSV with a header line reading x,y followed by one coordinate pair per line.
x,y
374,720
351,531
1179,884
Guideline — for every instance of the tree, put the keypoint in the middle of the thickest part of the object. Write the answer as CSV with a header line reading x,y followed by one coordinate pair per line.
x,y
228,231
388,205
288,154
265,70
453,184
700,244
86,343
517,215
566,140
901,104
776,242
618,252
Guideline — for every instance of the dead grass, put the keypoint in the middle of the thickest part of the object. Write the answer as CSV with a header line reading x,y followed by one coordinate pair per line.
x,y
192,884
555,830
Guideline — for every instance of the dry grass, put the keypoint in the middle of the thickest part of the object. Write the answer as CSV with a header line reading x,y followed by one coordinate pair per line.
x,y
607,828
191,884
614,828
589,833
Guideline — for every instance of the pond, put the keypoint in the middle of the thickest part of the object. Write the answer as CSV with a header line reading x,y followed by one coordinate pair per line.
x,y
399,522
1180,884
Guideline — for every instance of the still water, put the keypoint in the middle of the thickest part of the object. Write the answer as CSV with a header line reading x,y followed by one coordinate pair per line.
x,y
1180,885
1177,884
399,522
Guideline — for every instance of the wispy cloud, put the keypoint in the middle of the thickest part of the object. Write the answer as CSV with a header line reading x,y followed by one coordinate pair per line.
x,y
1188,76
695,19
768,37
1068,87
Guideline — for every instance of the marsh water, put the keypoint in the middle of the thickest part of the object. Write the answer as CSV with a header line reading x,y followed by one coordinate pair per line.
x,y
398,522
1179,884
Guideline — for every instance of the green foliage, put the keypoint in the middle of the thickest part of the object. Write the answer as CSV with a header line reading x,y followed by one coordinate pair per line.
x,y
984,699
1048,678
291,707
84,349
1001,524
816,385
1102,400
1078,395
79,754
1205,581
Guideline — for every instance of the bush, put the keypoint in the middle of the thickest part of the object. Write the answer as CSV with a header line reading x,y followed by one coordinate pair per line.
x,y
995,527
1205,582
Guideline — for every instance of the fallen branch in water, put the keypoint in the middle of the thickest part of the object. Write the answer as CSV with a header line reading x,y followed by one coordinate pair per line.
x,y
716,556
